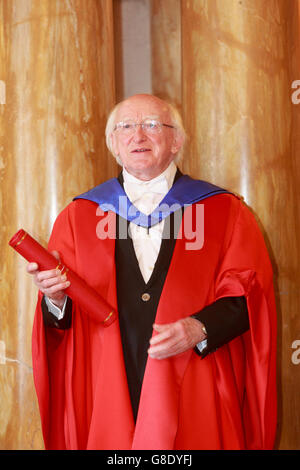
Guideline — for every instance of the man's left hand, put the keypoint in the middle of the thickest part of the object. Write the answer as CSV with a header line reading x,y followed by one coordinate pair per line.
x,y
175,338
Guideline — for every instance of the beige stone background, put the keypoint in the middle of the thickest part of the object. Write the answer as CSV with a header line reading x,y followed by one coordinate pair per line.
x,y
228,65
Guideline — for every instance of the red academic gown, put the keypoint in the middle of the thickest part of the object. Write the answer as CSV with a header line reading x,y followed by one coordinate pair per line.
x,y
224,401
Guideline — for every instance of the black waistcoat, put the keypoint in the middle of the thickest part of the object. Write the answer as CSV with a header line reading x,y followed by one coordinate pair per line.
x,y
138,301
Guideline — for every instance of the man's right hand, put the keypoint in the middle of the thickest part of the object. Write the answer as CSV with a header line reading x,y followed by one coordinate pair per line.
x,y
51,283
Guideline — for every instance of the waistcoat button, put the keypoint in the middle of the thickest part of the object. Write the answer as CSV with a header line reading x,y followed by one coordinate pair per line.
x,y
146,297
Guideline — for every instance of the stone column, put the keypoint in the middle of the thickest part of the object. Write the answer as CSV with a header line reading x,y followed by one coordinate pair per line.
x,y
57,75
166,50
238,112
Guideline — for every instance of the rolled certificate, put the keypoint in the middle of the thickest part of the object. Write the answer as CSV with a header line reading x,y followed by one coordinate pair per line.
x,y
79,291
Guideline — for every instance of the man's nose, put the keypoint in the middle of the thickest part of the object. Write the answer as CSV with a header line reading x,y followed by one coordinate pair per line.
x,y
139,133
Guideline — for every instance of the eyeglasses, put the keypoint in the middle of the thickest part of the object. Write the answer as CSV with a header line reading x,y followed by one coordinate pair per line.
x,y
149,126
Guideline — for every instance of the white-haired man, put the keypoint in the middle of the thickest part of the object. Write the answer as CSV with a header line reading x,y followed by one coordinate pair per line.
x,y
190,361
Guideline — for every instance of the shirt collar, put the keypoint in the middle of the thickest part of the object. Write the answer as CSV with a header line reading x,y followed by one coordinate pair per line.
x,y
167,175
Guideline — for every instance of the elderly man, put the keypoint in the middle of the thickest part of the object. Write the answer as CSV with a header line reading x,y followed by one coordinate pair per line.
x,y
190,361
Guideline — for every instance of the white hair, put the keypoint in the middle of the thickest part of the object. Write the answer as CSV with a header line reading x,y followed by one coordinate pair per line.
x,y
176,121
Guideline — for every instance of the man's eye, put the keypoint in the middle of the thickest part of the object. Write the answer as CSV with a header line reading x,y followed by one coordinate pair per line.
x,y
127,125
151,125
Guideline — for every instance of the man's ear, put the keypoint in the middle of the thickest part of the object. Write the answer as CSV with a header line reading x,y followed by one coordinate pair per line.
x,y
114,144
178,142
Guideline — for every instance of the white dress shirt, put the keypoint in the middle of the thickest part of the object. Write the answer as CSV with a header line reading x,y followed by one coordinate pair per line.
x,y
146,196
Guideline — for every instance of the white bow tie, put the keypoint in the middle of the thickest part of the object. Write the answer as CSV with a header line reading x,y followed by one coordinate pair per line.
x,y
152,191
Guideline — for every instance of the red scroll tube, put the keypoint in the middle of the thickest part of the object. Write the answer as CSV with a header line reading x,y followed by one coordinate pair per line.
x,y
89,300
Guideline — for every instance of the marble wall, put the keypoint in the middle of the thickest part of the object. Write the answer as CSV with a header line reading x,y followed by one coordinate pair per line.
x,y
166,50
56,60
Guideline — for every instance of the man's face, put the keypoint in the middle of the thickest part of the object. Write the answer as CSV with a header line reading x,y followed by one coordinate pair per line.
x,y
143,154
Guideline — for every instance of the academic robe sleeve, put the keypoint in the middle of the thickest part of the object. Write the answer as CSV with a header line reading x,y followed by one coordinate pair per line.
x,y
245,270
49,369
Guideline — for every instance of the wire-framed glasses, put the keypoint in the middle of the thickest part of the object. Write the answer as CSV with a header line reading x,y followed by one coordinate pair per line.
x,y
149,126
